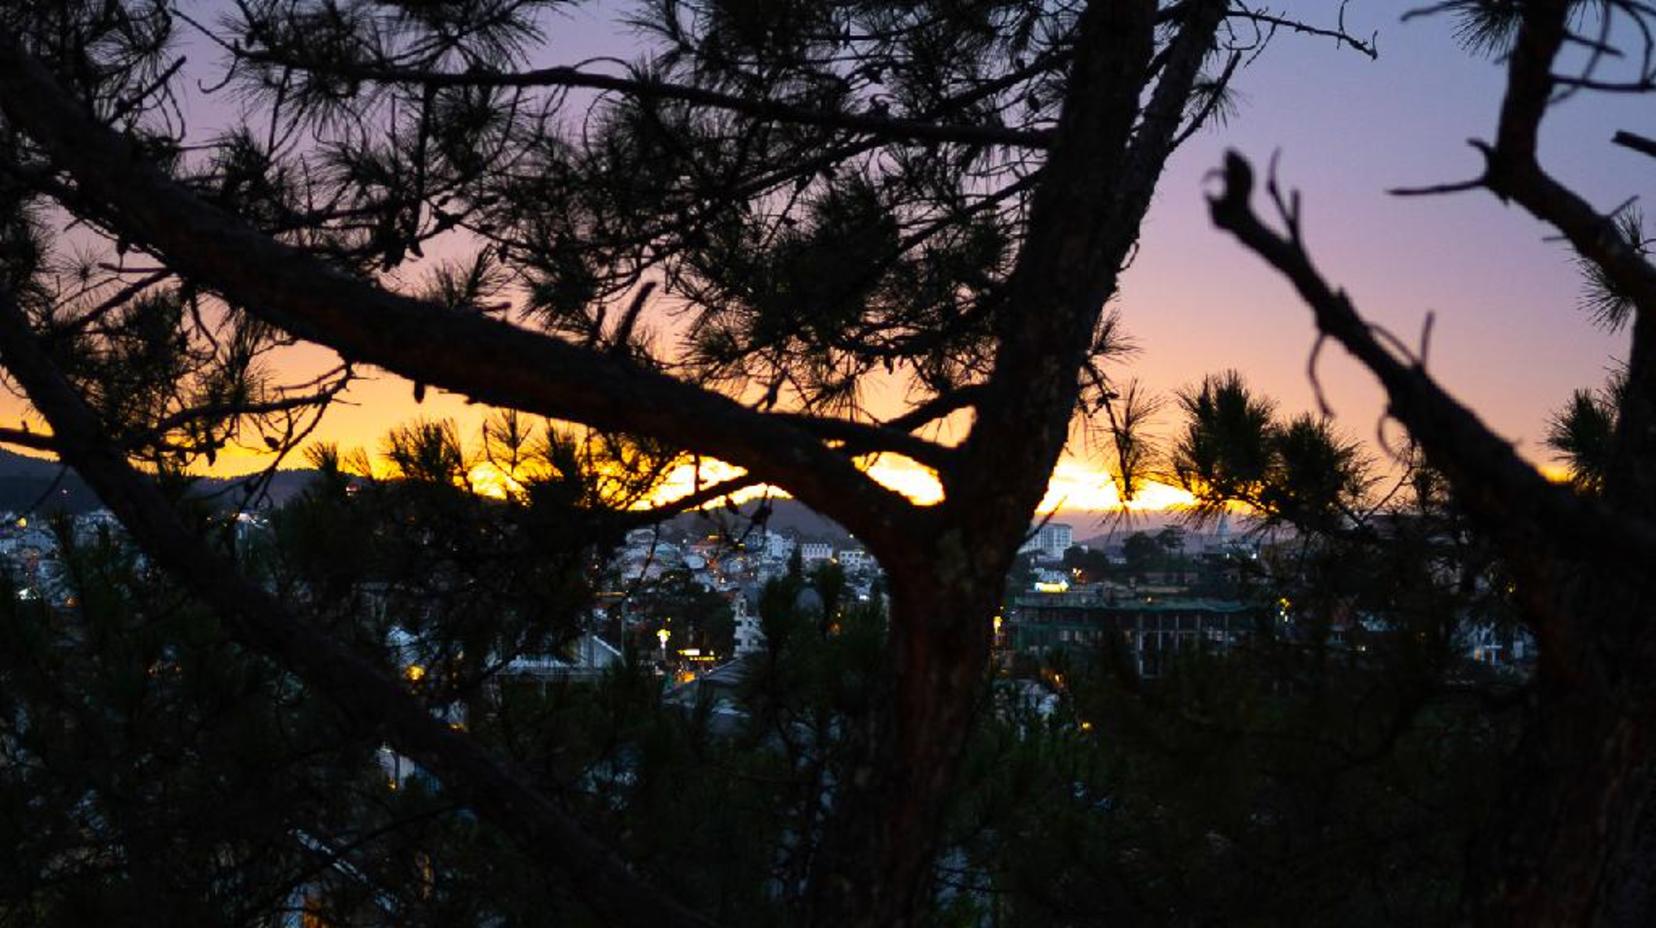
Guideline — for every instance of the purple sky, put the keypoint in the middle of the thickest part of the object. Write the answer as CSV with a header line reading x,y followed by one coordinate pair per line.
x,y
1508,338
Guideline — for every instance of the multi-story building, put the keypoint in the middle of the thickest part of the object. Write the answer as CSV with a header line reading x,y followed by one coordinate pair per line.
x,y
750,631
1149,630
855,559
773,545
812,552
1050,541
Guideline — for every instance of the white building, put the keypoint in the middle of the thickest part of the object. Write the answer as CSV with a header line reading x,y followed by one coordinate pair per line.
x,y
777,547
813,552
1050,541
855,559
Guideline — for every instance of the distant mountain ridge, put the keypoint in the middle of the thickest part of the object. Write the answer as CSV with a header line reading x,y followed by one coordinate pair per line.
x,y
786,516
31,484
1096,529
26,466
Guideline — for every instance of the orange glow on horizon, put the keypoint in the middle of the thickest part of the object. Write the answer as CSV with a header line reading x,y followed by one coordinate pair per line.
x,y
1557,473
489,480
1074,487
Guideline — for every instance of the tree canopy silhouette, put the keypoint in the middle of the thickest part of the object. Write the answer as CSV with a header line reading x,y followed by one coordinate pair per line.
x,y
819,195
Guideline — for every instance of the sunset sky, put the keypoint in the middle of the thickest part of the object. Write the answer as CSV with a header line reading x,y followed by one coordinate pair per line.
x,y
1508,338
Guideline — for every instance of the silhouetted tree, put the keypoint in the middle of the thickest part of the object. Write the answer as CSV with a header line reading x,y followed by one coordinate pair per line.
x,y
1141,552
1573,837
823,191
1094,564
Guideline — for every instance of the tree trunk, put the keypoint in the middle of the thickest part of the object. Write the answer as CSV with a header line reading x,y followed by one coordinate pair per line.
x,y
1572,840
874,866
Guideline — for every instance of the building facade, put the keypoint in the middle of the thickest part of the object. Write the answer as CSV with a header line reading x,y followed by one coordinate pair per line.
x,y
1050,541
1149,631
815,552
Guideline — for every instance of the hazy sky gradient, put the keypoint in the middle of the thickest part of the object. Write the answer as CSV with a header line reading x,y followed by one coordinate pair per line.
x,y
1508,339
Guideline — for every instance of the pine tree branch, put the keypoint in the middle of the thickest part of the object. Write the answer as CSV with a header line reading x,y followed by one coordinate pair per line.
x,y
486,359
695,499
1065,270
1514,173
939,406
1501,488
642,88
1644,145
1084,218
1338,33
1157,133
859,438
26,439
218,411
358,687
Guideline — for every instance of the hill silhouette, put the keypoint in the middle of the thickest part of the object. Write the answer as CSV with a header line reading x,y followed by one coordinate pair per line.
x,y
786,516
31,484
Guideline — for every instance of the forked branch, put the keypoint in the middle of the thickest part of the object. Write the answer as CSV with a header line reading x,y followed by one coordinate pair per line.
x,y
1515,173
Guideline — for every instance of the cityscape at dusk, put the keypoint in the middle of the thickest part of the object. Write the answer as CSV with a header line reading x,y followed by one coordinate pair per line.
x,y
853,463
